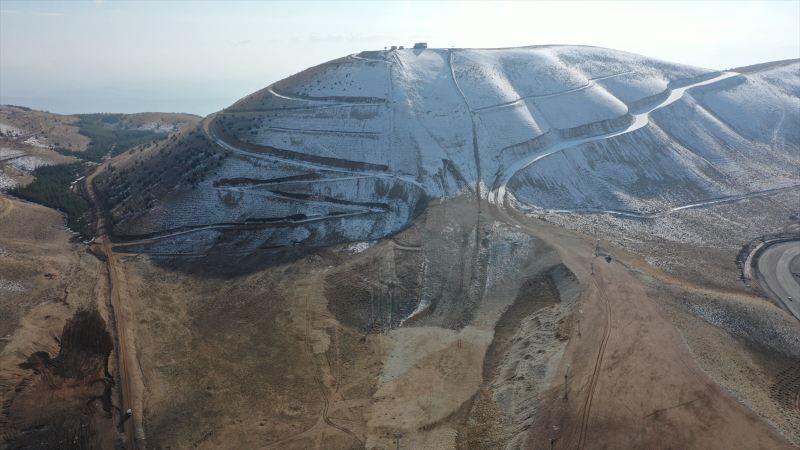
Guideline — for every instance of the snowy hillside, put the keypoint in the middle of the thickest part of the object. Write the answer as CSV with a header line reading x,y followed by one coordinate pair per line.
x,y
360,144
732,137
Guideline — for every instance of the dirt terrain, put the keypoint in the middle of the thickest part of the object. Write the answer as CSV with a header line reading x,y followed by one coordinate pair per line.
x,y
302,347
634,384
318,269
57,361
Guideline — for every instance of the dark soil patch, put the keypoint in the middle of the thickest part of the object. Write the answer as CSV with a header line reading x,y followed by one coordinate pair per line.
x,y
66,402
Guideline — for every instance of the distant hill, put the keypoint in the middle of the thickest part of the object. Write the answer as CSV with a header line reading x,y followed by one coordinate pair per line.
x,y
763,66
32,141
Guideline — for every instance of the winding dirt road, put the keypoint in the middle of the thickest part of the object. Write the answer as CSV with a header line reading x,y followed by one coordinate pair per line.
x,y
692,205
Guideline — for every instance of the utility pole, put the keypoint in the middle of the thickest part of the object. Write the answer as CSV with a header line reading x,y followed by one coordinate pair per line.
x,y
565,382
397,437
580,316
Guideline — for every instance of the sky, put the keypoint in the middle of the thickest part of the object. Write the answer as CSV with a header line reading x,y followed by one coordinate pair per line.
x,y
199,57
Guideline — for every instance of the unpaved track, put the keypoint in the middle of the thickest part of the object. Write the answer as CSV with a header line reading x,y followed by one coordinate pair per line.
x,y
125,372
555,94
632,381
318,374
475,151
587,407
132,240
126,379
695,204
306,164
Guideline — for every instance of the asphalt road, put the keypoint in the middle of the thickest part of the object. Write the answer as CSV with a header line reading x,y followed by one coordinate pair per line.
x,y
774,275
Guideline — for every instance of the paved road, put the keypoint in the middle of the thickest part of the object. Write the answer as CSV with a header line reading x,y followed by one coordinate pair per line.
x,y
774,275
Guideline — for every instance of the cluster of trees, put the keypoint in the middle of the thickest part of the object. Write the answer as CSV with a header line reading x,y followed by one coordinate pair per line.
x,y
51,189
105,140
24,108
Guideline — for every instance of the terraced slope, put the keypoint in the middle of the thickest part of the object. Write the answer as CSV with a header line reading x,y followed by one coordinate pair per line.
x,y
355,148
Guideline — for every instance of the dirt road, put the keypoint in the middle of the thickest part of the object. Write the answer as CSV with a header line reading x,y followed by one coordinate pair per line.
x,y
776,277
123,344
692,205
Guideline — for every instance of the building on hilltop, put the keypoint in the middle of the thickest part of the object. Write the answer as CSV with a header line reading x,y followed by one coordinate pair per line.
x,y
421,45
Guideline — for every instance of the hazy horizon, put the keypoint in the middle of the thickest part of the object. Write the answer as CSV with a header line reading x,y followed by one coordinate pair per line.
x,y
198,57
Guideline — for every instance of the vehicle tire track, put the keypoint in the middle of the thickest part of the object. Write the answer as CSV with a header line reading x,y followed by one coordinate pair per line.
x,y
321,386
318,379
474,129
597,365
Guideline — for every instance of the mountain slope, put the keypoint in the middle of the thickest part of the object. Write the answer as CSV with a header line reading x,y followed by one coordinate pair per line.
x,y
354,148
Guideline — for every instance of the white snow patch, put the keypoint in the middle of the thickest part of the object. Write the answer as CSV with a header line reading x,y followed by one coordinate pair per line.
x,y
11,286
6,183
358,247
37,142
9,130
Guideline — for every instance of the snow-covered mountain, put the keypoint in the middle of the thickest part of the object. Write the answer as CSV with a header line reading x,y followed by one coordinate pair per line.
x,y
355,148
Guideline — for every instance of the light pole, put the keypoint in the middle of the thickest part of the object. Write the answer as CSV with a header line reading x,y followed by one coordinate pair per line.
x,y
397,437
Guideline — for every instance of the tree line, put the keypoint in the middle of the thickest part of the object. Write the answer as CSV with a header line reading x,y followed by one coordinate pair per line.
x,y
51,189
